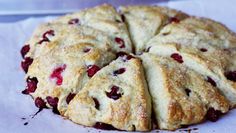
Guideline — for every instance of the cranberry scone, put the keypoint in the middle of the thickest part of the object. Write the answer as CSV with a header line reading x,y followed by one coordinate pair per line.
x,y
180,96
54,78
204,46
144,22
117,95
104,18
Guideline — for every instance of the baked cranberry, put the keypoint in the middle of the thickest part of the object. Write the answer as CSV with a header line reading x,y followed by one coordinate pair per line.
x,y
100,125
120,42
148,49
174,20
213,115
70,97
24,50
203,49
123,17
177,57
119,71
57,74
92,69
231,75
52,101
73,21
26,63
124,56
114,93
96,103
187,91
210,80
31,85
86,50
45,36
40,103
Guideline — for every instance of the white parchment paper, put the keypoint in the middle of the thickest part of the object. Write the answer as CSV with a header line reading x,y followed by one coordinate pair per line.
x,y
14,105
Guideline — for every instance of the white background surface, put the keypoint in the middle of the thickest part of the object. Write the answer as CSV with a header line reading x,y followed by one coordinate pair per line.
x,y
14,105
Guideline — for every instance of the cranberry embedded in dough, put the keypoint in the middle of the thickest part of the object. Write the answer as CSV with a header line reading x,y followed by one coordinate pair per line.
x,y
96,103
40,103
26,63
119,71
92,69
231,75
114,93
24,50
73,21
177,57
70,97
210,80
213,115
46,35
120,42
57,74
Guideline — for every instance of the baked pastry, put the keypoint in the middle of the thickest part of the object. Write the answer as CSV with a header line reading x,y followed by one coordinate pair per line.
x,y
116,95
180,96
81,65
58,75
144,22
204,46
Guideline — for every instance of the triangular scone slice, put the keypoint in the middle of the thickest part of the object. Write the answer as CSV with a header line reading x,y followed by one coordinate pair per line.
x,y
144,22
201,33
104,18
117,95
216,65
180,96
48,36
58,75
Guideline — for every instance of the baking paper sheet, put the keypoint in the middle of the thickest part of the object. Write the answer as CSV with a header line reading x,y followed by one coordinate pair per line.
x,y
14,105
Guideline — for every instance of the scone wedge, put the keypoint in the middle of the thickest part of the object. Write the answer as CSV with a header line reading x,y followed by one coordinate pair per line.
x,y
144,22
180,96
54,78
117,95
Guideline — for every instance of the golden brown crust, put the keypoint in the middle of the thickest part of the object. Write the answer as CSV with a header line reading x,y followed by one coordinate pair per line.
x,y
132,111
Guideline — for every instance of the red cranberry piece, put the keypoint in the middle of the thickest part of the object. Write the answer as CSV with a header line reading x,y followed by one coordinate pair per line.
x,y
26,63
48,33
92,69
96,103
231,75
187,91
70,97
119,71
114,93
213,115
203,49
124,56
210,80
120,42
100,125
40,103
52,101
24,50
174,20
177,57
73,21
31,85
45,36
86,50
57,74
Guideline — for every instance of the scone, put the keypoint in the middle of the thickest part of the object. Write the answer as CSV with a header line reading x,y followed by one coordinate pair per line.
x,y
54,78
117,95
103,18
81,65
144,22
204,46
180,96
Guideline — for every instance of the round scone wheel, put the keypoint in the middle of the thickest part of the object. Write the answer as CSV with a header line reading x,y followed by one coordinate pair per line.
x,y
57,76
117,95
